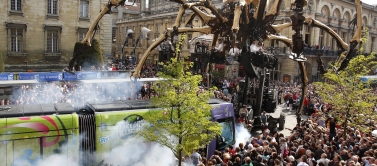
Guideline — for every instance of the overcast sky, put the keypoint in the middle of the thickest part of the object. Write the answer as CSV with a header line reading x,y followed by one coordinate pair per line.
x,y
370,2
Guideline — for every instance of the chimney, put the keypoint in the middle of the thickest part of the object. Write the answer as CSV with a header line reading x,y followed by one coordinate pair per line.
x,y
143,6
120,12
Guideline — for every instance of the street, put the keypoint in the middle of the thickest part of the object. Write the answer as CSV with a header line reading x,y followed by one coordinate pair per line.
x,y
290,119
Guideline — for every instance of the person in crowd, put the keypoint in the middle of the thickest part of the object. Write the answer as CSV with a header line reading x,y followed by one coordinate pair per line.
x,y
234,52
220,47
253,47
195,158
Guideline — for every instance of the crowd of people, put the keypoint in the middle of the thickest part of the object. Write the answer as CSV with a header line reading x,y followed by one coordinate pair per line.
x,y
315,141
318,140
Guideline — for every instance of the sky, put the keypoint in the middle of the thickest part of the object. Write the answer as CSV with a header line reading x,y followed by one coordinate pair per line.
x,y
370,2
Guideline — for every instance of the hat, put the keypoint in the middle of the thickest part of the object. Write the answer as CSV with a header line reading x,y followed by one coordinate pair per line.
x,y
291,158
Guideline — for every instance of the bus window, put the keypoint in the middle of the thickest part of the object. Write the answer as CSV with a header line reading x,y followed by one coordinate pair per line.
x,y
227,134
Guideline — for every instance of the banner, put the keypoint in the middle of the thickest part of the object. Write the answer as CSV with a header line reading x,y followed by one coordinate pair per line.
x,y
28,76
88,75
55,76
69,77
81,76
6,76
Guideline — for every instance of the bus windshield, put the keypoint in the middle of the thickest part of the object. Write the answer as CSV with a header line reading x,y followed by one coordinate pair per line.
x,y
227,134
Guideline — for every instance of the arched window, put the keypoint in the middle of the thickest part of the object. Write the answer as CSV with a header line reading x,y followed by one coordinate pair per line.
x,y
365,21
336,13
347,17
325,10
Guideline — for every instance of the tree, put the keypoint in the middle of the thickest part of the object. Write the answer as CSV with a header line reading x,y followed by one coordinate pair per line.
x,y
352,98
90,56
184,124
2,68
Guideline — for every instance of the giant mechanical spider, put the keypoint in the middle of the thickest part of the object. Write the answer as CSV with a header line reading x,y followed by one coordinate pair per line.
x,y
245,21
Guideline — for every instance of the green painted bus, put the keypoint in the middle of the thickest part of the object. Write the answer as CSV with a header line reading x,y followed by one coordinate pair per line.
x,y
31,133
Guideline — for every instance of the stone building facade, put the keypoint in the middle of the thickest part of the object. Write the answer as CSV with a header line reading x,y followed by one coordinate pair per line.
x,y
45,31
335,14
157,16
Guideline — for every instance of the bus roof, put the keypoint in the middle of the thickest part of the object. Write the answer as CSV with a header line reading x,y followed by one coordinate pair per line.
x,y
123,80
35,110
7,83
367,78
120,105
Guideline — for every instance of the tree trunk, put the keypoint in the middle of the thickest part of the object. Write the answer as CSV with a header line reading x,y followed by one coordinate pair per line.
x,y
179,156
345,124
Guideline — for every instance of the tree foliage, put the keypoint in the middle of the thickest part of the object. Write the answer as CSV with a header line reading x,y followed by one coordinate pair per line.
x,y
91,55
184,124
352,98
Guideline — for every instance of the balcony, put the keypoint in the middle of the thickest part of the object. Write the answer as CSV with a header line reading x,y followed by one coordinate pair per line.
x,y
307,51
314,52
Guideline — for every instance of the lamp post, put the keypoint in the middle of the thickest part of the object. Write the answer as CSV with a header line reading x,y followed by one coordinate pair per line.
x,y
26,65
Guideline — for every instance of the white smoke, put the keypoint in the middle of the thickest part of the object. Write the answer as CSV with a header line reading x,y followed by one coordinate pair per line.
x,y
242,135
57,160
135,151
132,153
75,93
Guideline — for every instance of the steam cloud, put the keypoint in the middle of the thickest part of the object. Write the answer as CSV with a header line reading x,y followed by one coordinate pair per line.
x,y
242,134
75,93
133,151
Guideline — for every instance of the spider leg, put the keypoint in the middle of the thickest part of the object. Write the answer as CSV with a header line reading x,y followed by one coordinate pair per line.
x,y
273,12
283,39
215,12
315,23
89,35
179,16
105,10
356,40
205,17
304,87
190,18
164,36
236,19
301,64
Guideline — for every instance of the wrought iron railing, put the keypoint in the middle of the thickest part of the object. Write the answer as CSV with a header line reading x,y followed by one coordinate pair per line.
x,y
307,51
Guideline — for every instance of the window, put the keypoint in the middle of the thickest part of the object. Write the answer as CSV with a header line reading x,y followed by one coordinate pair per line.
x,y
82,33
52,7
321,37
84,9
15,5
52,39
372,44
189,37
113,34
16,36
227,134
16,39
